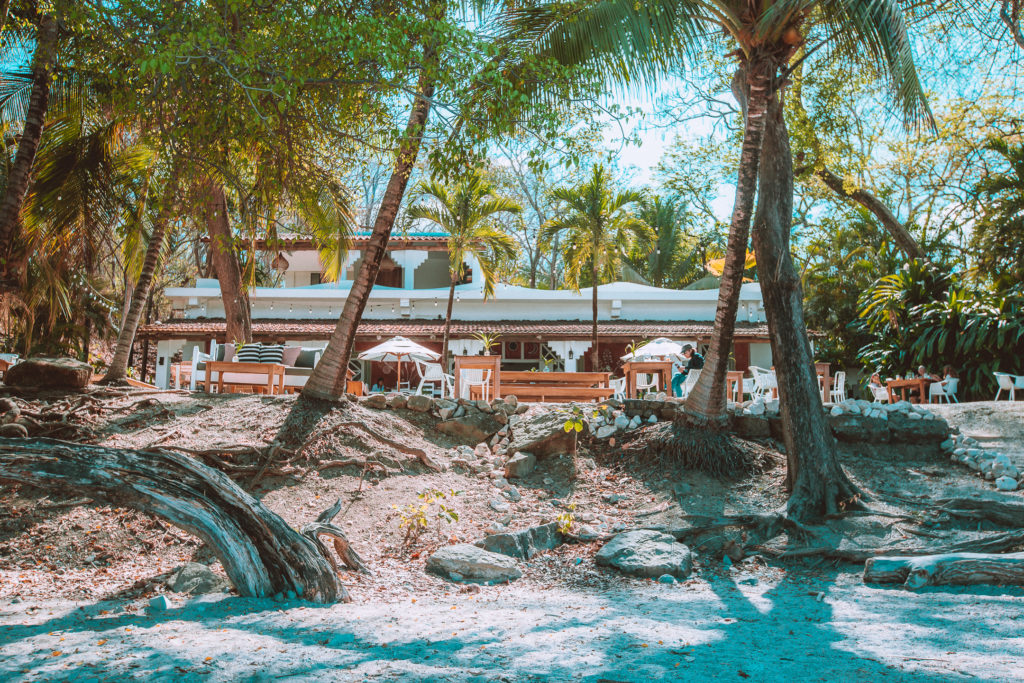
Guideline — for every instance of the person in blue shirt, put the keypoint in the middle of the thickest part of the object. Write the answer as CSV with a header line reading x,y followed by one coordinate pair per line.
x,y
693,361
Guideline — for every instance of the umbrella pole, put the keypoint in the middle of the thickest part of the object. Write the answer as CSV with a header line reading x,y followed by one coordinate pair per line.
x,y
399,387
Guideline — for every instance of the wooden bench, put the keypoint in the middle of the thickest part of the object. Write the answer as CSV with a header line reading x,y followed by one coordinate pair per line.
x,y
556,386
274,373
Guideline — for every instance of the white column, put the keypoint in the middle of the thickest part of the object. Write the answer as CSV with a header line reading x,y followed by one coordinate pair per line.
x,y
409,260
474,266
571,352
165,348
350,259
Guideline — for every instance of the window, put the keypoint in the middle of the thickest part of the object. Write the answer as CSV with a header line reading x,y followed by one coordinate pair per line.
x,y
314,278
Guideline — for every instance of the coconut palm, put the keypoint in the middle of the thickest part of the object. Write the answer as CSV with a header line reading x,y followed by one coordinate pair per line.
x,y
465,211
633,42
638,42
596,229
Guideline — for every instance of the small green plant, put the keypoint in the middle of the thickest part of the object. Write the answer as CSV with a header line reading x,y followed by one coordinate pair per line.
x,y
633,347
488,339
566,519
574,424
433,504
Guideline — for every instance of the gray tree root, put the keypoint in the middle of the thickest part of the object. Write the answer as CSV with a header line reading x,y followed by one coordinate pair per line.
x,y
261,554
955,569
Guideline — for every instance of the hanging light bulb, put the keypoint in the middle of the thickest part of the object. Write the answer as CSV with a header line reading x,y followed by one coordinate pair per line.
x,y
435,301
329,311
271,305
392,308
289,308
311,309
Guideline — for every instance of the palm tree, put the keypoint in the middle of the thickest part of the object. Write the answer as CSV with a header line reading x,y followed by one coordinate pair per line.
x,y
638,42
18,176
465,212
596,230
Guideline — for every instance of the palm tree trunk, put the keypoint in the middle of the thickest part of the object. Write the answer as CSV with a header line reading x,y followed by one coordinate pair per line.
x,y
18,178
328,380
817,483
706,403
130,324
229,271
448,323
593,303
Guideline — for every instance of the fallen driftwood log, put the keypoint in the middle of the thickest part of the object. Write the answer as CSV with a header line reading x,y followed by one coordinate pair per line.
x,y
954,569
260,552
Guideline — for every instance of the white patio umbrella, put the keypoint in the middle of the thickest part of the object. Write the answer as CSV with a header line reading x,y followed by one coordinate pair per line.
x,y
397,350
656,348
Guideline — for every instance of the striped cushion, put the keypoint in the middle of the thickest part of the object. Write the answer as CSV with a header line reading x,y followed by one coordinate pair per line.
x,y
250,353
272,353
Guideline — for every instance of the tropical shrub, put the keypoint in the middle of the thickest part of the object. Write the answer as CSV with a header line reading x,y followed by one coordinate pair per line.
x,y
923,315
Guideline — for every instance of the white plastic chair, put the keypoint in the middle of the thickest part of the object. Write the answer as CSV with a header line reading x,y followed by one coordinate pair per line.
x,y
838,392
618,386
1006,383
881,394
691,381
432,373
646,382
197,358
748,388
764,381
475,378
943,390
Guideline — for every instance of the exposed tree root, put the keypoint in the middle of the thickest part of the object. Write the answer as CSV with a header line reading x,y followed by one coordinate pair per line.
x,y
323,527
418,453
711,450
956,569
998,512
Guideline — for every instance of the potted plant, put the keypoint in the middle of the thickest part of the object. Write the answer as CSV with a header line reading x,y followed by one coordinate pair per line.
x,y
487,339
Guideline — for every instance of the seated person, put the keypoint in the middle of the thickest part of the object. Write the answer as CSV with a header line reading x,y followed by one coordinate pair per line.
x,y
876,381
376,388
693,360
922,373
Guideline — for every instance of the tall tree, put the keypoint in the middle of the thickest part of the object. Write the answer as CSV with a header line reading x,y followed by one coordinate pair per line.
x,y
11,263
224,258
143,286
466,212
596,230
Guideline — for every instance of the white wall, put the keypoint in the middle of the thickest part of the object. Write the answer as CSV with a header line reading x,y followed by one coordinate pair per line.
x,y
761,355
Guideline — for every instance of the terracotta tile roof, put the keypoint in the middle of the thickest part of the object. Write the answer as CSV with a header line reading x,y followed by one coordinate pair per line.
x,y
203,328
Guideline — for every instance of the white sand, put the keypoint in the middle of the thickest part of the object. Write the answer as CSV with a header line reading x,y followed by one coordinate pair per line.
x,y
776,630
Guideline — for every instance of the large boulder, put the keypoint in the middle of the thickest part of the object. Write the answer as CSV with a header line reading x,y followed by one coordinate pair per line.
x,y
524,544
544,434
903,428
50,373
849,427
473,427
468,563
647,554
196,579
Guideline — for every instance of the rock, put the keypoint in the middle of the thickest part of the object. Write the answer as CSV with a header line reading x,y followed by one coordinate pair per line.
x,y
1006,484
587,533
49,373
646,554
196,578
999,469
160,603
543,435
499,506
467,452
376,401
482,450
512,401
526,543
652,419
635,422
520,465
483,406
512,493
605,431
755,408
836,411
852,428
465,562
473,427
398,401
914,416
906,429
420,404
613,498
445,407
666,578
13,431
621,422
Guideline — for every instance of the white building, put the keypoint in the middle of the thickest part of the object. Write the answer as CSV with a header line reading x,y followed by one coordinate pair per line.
x,y
537,327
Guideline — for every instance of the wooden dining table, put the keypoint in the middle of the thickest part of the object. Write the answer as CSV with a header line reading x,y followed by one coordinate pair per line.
x,y
660,367
904,386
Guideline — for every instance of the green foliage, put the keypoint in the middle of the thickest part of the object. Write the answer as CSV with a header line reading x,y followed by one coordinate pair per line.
x,y
998,236
488,339
566,519
923,315
597,229
433,506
